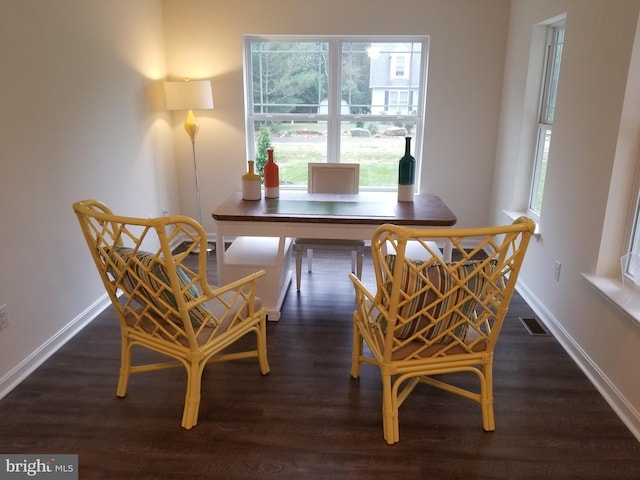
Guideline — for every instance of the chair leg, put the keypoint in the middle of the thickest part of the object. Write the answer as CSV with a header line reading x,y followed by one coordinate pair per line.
x,y
389,412
125,367
192,397
309,259
261,339
356,351
486,398
298,250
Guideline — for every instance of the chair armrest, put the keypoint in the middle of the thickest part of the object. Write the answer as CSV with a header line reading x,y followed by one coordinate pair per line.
x,y
250,281
234,302
366,316
361,291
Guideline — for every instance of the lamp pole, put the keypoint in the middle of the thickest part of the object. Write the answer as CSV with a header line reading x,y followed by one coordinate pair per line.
x,y
190,95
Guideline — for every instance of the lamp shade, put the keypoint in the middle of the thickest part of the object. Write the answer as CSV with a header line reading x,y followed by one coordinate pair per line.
x,y
188,95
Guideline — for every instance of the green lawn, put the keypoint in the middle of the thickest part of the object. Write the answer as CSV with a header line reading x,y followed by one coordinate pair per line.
x,y
378,158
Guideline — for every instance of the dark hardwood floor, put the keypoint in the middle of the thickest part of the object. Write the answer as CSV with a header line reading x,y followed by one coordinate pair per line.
x,y
308,419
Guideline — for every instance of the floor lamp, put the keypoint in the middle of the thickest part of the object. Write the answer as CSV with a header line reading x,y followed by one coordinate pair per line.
x,y
190,95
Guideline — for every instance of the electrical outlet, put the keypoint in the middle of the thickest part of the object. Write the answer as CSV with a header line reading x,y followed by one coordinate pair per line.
x,y
556,270
4,317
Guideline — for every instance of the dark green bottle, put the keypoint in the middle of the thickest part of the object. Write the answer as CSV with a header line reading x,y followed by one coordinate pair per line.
x,y
406,174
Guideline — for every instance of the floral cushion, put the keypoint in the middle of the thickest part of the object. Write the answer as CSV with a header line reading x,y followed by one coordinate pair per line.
x,y
431,293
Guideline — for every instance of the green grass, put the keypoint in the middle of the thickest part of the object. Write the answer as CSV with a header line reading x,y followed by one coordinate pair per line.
x,y
378,158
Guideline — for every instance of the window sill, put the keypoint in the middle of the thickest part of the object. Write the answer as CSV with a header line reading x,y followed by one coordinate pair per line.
x,y
627,299
514,215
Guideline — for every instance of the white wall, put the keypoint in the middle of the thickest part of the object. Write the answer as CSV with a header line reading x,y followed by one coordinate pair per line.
x,y
598,46
204,39
80,117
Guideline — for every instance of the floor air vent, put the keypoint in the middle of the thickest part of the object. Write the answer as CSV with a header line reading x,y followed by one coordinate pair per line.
x,y
533,326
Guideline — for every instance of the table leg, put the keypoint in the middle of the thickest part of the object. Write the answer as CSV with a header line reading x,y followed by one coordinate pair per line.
x,y
219,252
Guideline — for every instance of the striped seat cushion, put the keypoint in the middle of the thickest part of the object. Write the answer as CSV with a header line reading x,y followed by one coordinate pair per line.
x,y
433,303
147,269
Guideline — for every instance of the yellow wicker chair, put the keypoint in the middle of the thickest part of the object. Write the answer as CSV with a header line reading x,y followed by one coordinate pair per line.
x,y
431,317
166,306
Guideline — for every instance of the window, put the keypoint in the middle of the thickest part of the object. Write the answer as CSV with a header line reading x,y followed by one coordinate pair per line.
x,y
398,101
335,99
630,268
398,66
553,56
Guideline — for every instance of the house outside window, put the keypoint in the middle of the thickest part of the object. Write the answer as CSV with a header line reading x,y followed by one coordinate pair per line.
x,y
335,99
553,58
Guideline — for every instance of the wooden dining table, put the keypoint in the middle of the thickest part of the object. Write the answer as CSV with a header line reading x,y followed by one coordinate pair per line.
x,y
314,215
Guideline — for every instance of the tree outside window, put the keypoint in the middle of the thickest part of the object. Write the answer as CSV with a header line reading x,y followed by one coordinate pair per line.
x,y
335,99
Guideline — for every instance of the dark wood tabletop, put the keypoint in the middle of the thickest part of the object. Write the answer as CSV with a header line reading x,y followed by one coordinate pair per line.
x,y
363,208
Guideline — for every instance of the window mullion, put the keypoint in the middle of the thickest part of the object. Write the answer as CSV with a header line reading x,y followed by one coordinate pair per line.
x,y
335,96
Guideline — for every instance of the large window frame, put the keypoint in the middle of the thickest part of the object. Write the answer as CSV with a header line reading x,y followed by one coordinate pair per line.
x,y
546,113
336,114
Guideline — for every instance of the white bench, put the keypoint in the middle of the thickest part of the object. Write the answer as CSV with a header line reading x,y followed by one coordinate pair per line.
x,y
247,255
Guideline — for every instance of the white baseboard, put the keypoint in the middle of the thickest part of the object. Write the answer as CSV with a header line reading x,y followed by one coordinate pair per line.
x,y
13,378
21,371
616,400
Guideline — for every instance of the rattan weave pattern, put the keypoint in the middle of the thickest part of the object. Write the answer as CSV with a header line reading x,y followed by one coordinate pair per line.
x,y
163,304
429,316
